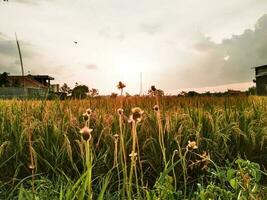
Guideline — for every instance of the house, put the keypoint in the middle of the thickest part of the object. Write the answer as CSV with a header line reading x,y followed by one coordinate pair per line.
x,y
261,79
30,86
31,81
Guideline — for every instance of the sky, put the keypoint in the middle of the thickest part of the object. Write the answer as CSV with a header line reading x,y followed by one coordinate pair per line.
x,y
176,44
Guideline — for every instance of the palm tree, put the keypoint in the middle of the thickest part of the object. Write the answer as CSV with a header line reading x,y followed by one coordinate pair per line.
x,y
120,86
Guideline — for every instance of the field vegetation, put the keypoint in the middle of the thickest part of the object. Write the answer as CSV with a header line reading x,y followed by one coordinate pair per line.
x,y
134,148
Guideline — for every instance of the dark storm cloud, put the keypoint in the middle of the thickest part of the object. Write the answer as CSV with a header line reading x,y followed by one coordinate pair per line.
x,y
230,61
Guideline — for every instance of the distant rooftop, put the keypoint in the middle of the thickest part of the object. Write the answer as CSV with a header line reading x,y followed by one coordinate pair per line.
x,y
35,76
259,66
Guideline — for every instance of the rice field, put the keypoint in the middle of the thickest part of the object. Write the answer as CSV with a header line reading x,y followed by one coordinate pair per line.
x,y
134,148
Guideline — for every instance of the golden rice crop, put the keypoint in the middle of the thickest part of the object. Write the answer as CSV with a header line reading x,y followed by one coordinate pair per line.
x,y
134,148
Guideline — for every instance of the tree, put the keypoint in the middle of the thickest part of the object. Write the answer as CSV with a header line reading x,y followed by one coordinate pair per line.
x,y
153,91
207,94
192,94
113,95
80,91
120,86
65,89
160,92
127,94
93,92
182,94
4,79
251,91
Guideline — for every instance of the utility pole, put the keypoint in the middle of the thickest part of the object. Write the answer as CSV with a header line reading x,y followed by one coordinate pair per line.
x,y
21,63
141,84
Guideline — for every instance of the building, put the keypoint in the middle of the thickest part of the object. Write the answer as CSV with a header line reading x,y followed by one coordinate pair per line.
x,y
31,81
30,86
261,79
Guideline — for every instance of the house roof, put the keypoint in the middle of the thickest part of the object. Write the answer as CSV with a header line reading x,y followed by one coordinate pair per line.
x,y
35,81
261,74
27,81
43,76
262,66
34,76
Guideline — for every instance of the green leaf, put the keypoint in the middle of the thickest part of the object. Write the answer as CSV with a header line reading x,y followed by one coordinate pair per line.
x,y
230,174
234,183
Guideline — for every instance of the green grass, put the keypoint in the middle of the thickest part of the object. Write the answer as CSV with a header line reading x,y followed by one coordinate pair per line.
x,y
228,163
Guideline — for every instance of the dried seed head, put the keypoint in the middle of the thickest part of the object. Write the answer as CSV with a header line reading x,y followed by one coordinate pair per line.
x,y
31,167
116,137
121,85
86,133
85,116
156,108
133,155
153,88
136,114
246,179
175,151
205,159
205,155
130,119
89,111
191,145
120,111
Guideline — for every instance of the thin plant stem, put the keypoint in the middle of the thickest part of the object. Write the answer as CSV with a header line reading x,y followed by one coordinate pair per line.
x,y
139,159
115,162
123,158
183,159
173,170
32,164
89,168
136,180
132,159
161,137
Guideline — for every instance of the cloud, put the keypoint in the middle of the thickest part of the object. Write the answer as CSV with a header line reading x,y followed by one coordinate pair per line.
x,y
2,35
91,66
32,2
106,32
150,29
8,47
12,67
9,57
230,61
